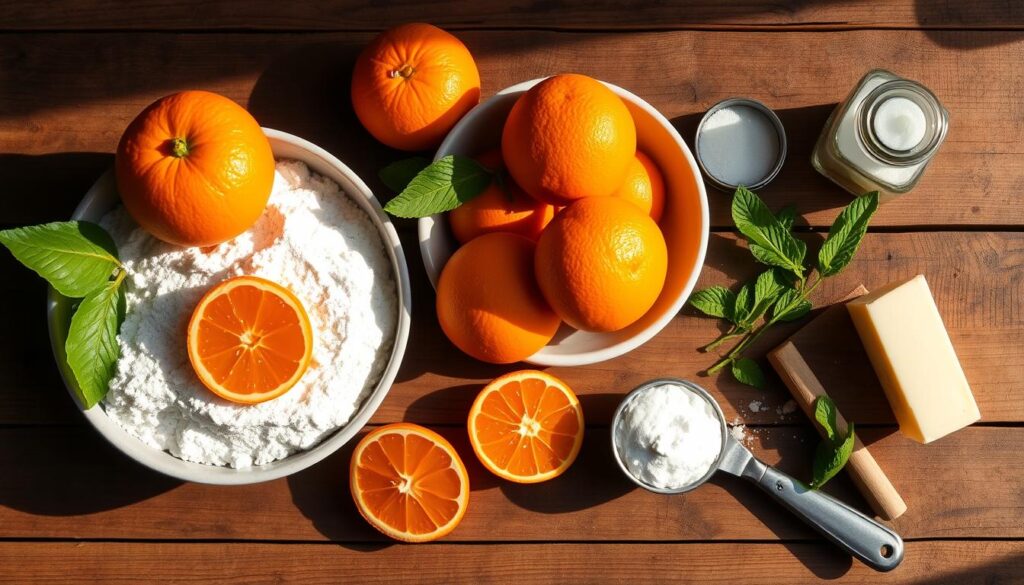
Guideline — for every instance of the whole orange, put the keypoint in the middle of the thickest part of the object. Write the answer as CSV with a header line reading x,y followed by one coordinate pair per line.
x,y
488,303
412,83
644,186
568,137
502,207
601,263
194,169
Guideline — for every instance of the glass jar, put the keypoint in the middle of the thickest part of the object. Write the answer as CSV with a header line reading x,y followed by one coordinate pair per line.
x,y
882,137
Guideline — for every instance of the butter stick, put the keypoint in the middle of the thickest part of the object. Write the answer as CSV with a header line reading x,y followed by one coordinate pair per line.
x,y
911,353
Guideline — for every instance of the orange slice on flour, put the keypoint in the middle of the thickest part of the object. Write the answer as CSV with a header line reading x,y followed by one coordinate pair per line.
x,y
409,483
526,426
249,340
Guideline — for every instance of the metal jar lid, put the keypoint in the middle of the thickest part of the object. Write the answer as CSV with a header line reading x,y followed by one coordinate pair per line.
x,y
719,144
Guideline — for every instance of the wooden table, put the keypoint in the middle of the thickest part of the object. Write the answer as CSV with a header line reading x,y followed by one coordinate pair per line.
x,y
72,509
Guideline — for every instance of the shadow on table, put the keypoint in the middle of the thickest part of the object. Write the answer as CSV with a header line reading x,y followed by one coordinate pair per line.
x,y
70,471
47,187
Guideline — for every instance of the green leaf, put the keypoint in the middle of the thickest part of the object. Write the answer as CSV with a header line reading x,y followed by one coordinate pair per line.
x,y
748,372
91,346
790,306
744,305
75,257
716,301
825,414
767,288
787,216
846,233
442,186
830,458
397,175
770,241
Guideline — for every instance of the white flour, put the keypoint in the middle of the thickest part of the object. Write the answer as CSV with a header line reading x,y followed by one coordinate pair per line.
x,y
668,436
311,239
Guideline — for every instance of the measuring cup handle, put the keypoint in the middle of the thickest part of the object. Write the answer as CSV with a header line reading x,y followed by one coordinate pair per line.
x,y
876,545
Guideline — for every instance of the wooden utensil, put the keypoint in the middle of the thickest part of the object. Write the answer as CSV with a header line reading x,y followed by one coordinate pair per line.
x,y
802,382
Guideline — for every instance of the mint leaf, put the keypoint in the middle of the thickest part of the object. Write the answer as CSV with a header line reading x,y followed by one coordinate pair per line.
x,y
91,347
846,233
830,458
716,301
770,241
442,186
397,175
825,414
744,305
767,289
790,306
748,372
787,216
75,257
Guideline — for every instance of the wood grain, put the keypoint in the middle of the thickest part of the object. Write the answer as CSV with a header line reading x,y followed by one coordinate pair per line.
x,y
977,280
935,563
613,14
67,97
70,484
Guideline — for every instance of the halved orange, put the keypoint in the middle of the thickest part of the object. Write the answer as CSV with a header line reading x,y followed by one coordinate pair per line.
x,y
526,426
409,483
249,340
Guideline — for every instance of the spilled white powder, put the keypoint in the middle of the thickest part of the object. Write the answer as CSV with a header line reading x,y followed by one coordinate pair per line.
x,y
313,240
755,406
668,436
739,145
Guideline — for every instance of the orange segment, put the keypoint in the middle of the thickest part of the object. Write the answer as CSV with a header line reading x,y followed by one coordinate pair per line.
x,y
409,483
249,340
526,426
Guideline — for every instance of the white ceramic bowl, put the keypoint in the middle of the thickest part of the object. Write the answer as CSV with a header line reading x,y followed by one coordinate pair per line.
x,y
684,222
103,196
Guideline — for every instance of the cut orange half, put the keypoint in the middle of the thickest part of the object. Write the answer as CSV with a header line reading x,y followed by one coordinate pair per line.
x,y
526,426
249,340
409,483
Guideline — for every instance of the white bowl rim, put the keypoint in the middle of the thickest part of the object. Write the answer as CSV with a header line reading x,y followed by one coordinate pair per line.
x,y
168,464
606,353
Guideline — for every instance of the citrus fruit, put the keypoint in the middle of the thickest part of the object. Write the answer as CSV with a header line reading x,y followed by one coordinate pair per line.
x,y
249,340
502,207
644,186
601,263
526,426
408,482
194,169
412,83
488,303
568,137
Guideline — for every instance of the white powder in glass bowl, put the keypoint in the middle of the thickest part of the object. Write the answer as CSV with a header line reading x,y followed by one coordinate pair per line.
x,y
311,239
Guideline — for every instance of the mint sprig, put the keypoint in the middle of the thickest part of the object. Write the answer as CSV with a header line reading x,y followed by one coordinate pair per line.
x,y
780,293
442,186
79,260
834,450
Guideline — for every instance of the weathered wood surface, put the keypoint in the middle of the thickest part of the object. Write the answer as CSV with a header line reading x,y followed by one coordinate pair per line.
x,y
67,97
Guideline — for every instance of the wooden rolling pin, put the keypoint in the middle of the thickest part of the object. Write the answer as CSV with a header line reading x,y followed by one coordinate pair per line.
x,y
864,470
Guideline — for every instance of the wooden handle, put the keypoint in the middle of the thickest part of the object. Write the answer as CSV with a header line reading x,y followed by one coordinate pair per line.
x,y
864,470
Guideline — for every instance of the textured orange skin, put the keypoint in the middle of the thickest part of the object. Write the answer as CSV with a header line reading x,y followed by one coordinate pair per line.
x,y
568,137
488,303
498,209
361,505
414,112
601,263
644,186
213,193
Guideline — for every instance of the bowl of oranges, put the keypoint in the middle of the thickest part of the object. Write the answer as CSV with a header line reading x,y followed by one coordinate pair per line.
x,y
588,241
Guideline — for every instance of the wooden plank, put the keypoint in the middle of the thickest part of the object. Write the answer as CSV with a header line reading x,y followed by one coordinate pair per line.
x,y
67,98
70,484
618,14
977,280
960,562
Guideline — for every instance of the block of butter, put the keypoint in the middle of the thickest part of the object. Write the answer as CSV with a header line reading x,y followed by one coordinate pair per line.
x,y
914,359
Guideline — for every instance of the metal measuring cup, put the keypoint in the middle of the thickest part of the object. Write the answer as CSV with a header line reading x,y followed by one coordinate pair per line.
x,y
876,545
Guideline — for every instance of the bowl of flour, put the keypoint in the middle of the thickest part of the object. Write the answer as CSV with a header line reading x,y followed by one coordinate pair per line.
x,y
324,236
